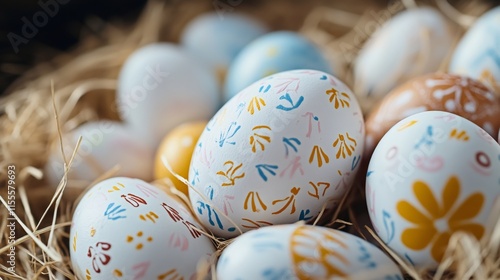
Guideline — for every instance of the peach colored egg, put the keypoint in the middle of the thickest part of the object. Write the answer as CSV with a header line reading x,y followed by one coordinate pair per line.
x,y
456,94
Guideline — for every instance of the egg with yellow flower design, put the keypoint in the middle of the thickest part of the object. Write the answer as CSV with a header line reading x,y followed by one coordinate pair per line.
x,y
433,174
300,251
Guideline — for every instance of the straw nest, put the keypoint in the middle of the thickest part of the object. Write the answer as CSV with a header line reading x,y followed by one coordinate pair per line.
x,y
79,86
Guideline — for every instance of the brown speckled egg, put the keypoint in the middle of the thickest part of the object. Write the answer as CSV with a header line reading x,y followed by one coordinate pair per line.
x,y
434,92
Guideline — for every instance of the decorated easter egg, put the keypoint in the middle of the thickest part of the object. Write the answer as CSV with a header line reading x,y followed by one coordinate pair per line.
x,y
177,148
434,92
162,86
477,55
276,153
303,252
433,174
125,228
412,43
272,53
104,145
217,39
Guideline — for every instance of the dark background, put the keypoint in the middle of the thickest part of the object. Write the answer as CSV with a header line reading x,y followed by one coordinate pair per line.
x,y
61,32
64,29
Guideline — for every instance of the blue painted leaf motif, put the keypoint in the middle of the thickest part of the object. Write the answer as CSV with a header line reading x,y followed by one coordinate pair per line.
x,y
323,77
355,162
303,215
293,105
389,226
113,212
370,172
426,139
409,259
196,177
266,167
224,137
212,214
277,274
366,257
240,108
264,89
291,142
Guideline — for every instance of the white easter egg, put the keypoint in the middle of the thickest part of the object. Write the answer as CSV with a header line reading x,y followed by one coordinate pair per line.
x,y
104,145
216,39
432,174
277,152
125,228
412,43
477,55
303,252
161,86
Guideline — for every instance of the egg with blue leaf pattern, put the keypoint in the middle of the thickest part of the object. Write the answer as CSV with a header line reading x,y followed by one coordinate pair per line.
x,y
303,252
276,153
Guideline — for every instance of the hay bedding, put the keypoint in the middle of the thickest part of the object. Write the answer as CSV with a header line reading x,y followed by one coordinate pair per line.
x,y
79,86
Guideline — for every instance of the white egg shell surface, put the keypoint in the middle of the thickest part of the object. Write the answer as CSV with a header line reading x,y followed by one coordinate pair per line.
x,y
161,86
217,38
104,145
432,174
277,152
477,55
412,43
303,252
125,228
272,53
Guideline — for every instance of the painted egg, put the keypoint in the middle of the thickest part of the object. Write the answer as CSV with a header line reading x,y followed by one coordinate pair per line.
x,y
434,92
412,43
216,39
162,86
477,55
431,175
272,53
177,147
104,145
125,228
276,153
303,252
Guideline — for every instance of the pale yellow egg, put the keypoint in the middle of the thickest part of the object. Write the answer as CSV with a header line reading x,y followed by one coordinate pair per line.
x,y
177,147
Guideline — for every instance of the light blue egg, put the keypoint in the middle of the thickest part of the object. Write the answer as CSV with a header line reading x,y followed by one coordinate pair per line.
x,y
217,39
478,52
274,52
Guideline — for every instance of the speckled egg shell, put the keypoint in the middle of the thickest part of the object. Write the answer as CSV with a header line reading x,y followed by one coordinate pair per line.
x,y
277,152
125,228
412,43
433,174
477,55
303,252
438,91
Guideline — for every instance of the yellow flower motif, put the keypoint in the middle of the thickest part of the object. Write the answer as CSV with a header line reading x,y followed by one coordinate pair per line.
x,y
437,223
